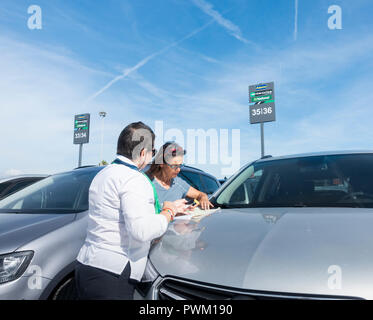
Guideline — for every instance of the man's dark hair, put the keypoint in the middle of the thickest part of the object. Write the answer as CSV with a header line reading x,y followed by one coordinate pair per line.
x,y
135,137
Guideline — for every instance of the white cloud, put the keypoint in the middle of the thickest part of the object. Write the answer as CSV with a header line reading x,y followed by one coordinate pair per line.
x,y
12,172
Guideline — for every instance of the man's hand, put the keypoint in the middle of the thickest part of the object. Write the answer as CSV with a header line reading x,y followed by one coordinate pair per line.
x,y
177,207
180,206
169,205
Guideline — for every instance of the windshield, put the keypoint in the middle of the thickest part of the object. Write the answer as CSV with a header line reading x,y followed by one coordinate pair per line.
x,y
317,181
61,193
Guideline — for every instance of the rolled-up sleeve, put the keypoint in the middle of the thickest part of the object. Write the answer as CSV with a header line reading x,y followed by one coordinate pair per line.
x,y
137,206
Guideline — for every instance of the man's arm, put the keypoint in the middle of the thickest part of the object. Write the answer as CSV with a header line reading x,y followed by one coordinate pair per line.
x,y
138,210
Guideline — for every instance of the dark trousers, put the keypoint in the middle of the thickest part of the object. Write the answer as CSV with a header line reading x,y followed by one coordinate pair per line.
x,y
97,284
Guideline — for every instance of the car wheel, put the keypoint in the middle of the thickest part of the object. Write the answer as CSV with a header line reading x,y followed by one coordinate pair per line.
x,y
66,290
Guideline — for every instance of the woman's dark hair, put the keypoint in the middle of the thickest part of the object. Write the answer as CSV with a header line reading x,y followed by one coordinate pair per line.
x,y
134,138
168,151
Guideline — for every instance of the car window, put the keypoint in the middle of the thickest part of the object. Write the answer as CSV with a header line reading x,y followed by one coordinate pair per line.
x,y
66,192
20,185
4,186
192,178
240,195
339,181
210,185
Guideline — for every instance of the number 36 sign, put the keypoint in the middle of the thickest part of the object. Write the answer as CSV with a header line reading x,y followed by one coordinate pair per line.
x,y
262,113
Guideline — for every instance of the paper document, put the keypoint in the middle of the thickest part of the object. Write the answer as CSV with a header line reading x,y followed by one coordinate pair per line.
x,y
197,214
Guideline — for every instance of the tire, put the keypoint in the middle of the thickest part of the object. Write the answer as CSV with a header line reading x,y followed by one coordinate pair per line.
x,y
66,290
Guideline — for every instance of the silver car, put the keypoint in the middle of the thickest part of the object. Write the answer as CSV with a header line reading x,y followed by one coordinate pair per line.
x,y
294,227
42,229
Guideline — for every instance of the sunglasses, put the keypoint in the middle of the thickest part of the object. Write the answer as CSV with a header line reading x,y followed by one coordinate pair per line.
x,y
175,166
154,152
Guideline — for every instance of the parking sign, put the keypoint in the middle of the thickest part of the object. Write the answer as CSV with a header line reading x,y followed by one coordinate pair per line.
x,y
263,95
81,128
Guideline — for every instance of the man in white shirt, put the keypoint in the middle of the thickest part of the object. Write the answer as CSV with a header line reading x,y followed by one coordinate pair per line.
x,y
122,221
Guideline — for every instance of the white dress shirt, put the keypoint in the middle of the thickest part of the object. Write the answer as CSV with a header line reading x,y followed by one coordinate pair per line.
x,y
122,220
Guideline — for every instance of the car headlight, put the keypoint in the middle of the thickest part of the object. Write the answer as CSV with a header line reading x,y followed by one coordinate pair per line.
x,y
13,265
150,275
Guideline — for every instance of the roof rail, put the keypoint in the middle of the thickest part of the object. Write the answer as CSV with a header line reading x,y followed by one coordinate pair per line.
x,y
88,166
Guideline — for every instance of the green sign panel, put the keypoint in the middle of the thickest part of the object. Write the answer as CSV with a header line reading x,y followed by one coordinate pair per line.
x,y
262,98
262,93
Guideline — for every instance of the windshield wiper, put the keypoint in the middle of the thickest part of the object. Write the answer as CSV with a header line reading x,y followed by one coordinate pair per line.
x,y
222,205
299,205
11,211
228,206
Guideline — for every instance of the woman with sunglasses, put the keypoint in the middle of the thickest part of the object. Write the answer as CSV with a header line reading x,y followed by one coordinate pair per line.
x,y
164,171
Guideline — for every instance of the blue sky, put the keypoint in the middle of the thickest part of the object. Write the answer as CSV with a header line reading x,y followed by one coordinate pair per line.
x,y
188,63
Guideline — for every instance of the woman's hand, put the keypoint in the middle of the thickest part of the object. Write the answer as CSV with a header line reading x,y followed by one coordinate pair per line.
x,y
202,197
204,201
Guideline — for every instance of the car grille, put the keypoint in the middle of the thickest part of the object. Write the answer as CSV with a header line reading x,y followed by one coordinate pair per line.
x,y
175,289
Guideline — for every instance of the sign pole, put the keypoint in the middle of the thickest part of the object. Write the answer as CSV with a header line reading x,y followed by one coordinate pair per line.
x,y
80,154
261,134
102,114
262,137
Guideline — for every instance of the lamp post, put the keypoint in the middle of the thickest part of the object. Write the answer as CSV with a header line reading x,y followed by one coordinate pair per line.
x,y
102,115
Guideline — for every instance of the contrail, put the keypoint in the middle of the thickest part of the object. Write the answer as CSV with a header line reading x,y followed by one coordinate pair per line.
x,y
144,61
296,21
230,26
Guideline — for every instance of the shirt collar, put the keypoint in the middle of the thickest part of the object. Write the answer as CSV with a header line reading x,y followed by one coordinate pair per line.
x,y
126,160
